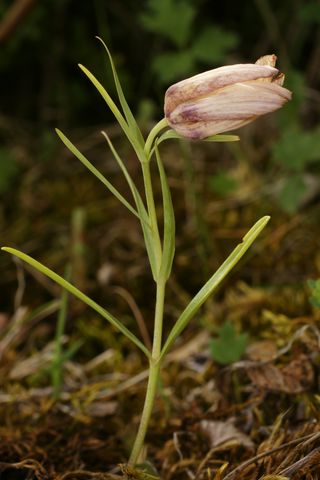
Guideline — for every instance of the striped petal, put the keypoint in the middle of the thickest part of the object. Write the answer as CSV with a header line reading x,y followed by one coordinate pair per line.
x,y
225,98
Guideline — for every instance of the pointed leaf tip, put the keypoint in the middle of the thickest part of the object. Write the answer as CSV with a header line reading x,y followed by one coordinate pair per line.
x,y
84,70
77,293
204,293
103,43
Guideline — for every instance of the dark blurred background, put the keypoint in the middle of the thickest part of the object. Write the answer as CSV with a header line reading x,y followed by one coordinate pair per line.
x,y
153,43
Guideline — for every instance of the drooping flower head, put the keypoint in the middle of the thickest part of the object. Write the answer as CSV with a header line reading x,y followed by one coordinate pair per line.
x,y
225,98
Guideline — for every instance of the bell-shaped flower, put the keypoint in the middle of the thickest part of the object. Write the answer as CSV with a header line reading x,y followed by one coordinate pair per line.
x,y
225,98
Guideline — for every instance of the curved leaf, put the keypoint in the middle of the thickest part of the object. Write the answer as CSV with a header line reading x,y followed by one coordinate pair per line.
x,y
105,95
213,282
143,214
133,126
95,171
170,134
77,293
113,107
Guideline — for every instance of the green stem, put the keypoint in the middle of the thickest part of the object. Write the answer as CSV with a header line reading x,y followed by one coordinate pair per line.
x,y
158,319
155,363
154,371
152,212
146,413
152,135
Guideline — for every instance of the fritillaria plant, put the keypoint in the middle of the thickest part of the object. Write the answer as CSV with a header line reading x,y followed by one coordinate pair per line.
x,y
200,107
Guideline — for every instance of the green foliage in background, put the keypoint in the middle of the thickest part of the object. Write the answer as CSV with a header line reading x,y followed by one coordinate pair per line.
x,y
314,286
229,346
310,13
297,150
222,183
186,46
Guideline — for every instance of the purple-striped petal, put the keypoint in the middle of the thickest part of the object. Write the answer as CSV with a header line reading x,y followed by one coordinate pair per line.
x,y
225,98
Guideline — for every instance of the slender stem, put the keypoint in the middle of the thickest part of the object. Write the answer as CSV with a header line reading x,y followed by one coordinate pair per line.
x,y
153,133
153,375
152,211
146,413
155,362
158,319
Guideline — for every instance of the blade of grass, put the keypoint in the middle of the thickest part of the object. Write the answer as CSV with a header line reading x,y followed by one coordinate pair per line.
x,y
213,282
95,172
56,368
77,293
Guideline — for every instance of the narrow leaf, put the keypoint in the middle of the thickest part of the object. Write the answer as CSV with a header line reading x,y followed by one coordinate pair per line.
x,y
222,138
77,293
142,212
213,282
133,126
170,134
113,107
169,222
167,135
95,172
122,166
148,237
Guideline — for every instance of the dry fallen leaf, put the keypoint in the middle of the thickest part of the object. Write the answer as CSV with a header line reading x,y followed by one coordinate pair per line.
x,y
296,377
220,432
262,351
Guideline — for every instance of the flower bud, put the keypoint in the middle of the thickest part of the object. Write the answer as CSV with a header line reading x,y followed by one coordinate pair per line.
x,y
225,98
